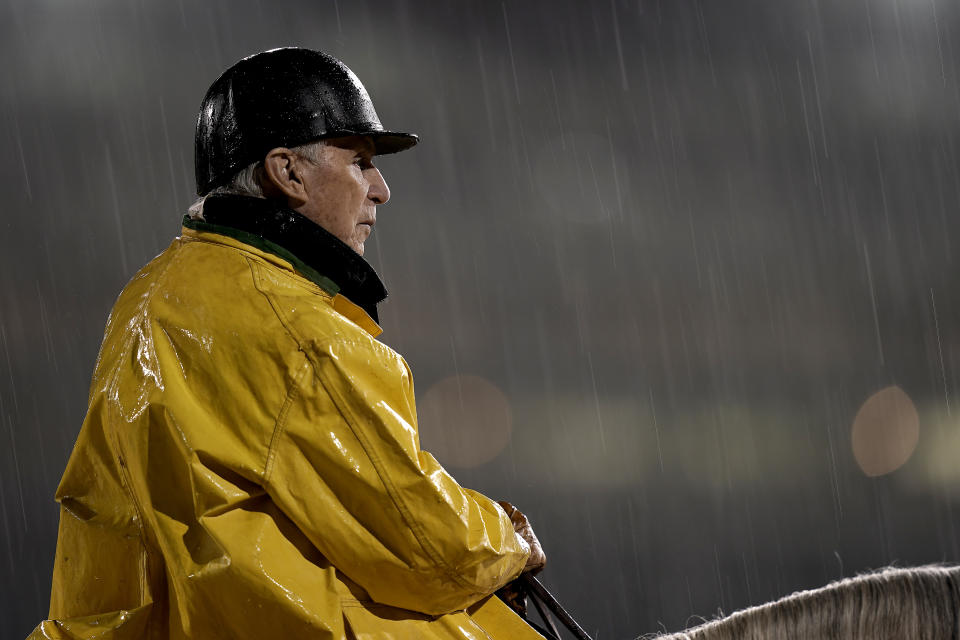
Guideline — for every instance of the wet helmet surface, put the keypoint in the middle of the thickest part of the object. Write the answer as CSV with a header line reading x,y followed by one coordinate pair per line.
x,y
282,98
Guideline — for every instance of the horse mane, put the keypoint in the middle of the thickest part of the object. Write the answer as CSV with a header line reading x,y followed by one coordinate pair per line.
x,y
919,603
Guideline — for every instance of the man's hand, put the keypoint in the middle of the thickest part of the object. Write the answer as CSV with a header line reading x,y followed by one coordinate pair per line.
x,y
521,525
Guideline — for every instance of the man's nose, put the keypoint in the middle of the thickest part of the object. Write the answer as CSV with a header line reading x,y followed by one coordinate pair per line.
x,y
379,192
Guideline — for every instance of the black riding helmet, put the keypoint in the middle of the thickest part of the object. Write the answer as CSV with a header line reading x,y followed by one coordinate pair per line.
x,y
282,98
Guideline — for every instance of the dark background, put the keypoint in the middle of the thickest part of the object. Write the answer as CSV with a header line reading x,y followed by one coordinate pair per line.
x,y
675,245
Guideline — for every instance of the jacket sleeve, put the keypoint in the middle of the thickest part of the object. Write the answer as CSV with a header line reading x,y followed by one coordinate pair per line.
x,y
346,467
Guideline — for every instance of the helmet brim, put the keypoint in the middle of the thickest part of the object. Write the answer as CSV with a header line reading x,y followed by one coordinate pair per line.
x,y
392,141
384,142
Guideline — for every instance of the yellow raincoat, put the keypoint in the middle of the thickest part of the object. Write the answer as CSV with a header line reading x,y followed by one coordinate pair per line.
x,y
250,468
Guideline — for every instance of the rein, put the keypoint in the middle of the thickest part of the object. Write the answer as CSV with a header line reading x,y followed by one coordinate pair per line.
x,y
543,598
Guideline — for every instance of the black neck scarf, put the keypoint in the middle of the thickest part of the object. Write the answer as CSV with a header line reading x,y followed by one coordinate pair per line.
x,y
308,242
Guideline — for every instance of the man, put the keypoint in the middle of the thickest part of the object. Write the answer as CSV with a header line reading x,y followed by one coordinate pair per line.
x,y
249,466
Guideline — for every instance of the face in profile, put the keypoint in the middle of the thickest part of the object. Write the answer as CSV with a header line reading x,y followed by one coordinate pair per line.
x,y
344,188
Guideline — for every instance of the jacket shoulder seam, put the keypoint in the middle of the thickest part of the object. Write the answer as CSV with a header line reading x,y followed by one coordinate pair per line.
x,y
255,268
294,391
281,422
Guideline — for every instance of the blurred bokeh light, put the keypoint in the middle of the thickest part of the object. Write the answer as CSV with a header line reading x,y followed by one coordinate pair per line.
x,y
885,431
465,419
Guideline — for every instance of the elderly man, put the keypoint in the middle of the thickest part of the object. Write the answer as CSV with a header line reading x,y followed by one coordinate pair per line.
x,y
249,466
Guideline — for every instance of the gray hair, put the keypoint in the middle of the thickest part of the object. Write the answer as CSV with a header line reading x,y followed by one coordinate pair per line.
x,y
921,603
247,181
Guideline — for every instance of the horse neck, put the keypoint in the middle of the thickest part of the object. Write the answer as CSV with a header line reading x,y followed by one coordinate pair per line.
x,y
920,603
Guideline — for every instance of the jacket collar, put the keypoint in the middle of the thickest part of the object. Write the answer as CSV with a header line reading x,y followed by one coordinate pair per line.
x,y
316,253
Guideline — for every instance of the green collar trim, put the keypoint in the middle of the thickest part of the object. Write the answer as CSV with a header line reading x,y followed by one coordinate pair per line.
x,y
263,244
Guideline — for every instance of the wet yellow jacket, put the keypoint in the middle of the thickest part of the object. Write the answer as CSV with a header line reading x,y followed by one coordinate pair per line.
x,y
249,467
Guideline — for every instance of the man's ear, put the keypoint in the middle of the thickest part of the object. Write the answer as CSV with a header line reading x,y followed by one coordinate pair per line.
x,y
282,176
